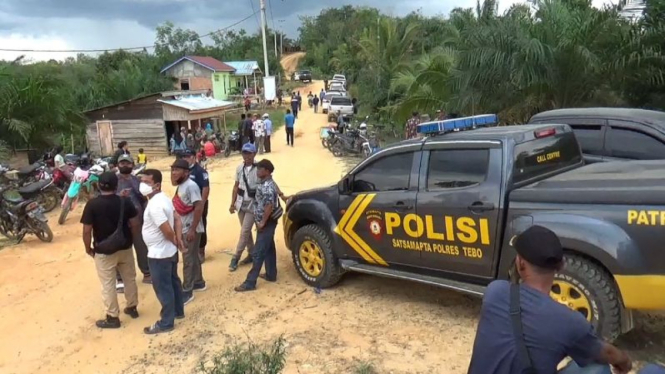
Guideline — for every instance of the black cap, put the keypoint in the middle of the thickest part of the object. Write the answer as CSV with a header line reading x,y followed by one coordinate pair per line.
x,y
188,152
180,164
539,246
266,164
108,181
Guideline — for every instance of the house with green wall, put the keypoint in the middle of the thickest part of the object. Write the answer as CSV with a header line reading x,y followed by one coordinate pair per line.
x,y
201,73
247,74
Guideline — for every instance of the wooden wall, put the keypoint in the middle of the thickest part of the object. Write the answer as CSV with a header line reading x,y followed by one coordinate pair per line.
x,y
148,134
146,107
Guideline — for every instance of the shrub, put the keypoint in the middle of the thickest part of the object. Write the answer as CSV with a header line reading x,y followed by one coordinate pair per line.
x,y
248,359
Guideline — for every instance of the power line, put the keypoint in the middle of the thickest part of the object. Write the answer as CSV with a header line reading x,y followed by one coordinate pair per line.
x,y
117,49
271,16
254,10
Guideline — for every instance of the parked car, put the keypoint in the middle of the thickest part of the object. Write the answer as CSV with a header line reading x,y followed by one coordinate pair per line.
x,y
339,87
613,134
302,76
325,103
442,210
341,104
339,77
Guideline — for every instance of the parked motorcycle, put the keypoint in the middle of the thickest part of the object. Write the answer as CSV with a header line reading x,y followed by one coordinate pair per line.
x,y
233,143
20,216
350,142
84,186
219,142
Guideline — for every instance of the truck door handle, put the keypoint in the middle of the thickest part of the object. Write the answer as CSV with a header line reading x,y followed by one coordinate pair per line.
x,y
401,206
479,206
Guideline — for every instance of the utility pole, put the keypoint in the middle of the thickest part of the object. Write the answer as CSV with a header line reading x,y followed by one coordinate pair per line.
x,y
275,33
263,33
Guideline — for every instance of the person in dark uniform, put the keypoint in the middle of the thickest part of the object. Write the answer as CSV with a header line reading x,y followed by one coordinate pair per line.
x,y
200,176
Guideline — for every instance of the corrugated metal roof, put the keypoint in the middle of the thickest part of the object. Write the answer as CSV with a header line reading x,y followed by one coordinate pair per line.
x,y
205,61
244,67
196,102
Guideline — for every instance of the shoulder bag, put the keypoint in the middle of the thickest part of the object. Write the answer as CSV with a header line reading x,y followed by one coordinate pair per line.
x,y
516,319
117,240
251,192
277,210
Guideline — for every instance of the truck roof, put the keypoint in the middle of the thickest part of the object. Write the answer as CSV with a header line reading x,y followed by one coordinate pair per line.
x,y
651,116
517,133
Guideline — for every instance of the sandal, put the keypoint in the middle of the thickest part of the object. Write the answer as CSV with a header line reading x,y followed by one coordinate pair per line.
x,y
244,288
155,329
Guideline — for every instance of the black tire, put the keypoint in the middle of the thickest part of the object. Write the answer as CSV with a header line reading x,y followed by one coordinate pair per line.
x,y
64,212
330,271
324,143
337,150
227,151
592,282
43,232
49,199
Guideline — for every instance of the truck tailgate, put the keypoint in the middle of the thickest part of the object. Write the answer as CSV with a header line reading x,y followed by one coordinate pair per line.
x,y
626,182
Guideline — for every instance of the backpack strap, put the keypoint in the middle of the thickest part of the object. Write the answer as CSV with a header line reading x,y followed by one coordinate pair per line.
x,y
516,319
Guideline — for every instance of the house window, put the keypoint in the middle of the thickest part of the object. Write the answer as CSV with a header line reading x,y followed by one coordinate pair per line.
x,y
216,77
184,85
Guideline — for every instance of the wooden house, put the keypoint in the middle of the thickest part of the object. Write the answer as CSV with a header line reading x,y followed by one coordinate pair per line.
x,y
201,73
149,121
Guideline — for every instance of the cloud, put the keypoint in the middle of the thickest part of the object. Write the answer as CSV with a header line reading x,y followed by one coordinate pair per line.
x,y
105,24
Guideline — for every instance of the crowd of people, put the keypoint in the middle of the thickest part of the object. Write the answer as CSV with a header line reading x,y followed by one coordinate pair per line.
x,y
133,212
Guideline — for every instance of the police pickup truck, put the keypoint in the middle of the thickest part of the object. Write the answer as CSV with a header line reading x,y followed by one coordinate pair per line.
x,y
442,210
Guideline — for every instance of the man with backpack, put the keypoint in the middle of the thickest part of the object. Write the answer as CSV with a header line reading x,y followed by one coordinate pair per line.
x,y
109,224
522,330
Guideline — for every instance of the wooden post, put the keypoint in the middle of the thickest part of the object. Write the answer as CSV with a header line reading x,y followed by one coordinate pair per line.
x,y
224,118
189,124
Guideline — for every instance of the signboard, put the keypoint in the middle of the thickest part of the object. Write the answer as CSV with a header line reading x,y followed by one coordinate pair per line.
x,y
269,88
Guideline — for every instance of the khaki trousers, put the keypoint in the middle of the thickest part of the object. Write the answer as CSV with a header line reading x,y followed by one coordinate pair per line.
x,y
107,265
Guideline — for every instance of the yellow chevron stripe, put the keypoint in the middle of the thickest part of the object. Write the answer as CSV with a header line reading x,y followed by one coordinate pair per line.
x,y
340,229
348,229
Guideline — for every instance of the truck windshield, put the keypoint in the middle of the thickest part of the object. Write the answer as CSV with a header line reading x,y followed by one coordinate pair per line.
x,y
341,101
545,155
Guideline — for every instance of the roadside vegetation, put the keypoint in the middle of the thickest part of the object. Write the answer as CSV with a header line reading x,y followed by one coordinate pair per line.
x,y
42,103
248,358
533,57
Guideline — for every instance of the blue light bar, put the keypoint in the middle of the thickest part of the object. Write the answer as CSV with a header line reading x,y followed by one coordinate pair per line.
x,y
457,124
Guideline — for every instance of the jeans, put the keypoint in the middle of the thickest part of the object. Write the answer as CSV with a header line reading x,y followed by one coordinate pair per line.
x,y
259,143
289,136
266,143
191,265
246,240
264,251
573,368
168,288
316,108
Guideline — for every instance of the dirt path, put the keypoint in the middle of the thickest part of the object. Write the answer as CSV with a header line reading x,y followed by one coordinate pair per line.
x,y
290,62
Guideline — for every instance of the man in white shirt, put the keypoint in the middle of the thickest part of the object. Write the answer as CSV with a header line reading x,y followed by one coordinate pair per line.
x,y
268,127
162,235
259,133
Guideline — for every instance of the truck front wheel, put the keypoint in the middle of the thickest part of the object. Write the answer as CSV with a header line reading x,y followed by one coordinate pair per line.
x,y
314,258
588,289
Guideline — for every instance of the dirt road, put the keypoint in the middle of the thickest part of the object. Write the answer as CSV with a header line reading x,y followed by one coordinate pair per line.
x,y
290,62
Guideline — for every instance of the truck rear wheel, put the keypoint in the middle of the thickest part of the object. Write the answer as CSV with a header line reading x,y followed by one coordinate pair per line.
x,y
313,256
587,288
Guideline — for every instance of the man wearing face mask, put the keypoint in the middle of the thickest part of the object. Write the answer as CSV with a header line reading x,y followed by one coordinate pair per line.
x,y
128,186
242,198
162,234
200,177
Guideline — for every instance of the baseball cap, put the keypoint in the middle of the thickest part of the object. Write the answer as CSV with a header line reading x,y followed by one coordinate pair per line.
x,y
249,148
180,164
125,158
108,181
539,246
266,115
188,152
266,164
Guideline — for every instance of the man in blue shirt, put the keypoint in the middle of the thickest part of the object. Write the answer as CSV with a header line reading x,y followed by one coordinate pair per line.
x,y
289,123
200,176
550,331
268,126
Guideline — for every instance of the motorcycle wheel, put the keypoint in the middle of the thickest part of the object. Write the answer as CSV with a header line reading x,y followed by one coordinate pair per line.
x,y
337,150
366,152
65,211
227,151
49,199
43,232
324,143
6,230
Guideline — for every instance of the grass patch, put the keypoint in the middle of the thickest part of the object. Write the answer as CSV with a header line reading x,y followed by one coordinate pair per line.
x,y
364,368
248,359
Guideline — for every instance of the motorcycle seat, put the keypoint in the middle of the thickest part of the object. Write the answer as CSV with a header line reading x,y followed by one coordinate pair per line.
x,y
27,170
33,187
12,197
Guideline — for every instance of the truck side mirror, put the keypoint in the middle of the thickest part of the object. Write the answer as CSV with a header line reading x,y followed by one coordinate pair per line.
x,y
344,186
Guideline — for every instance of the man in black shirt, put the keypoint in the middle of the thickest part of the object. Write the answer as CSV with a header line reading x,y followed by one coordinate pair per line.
x,y
123,149
200,177
109,242
247,130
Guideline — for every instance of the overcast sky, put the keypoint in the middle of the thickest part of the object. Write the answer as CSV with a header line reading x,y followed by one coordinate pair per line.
x,y
102,24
